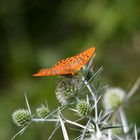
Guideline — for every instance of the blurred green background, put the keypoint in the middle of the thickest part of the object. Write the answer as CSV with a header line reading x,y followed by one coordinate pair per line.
x,y
37,33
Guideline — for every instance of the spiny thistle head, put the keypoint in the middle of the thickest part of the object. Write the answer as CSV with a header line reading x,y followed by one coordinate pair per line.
x,y
42,111
21,117
66,88
113,98
83,108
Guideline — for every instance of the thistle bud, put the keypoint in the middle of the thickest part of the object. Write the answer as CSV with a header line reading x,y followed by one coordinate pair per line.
x,y
83,108
42,111
21,117
66,89
113,98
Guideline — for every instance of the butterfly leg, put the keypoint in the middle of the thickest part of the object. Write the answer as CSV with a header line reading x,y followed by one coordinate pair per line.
x,y
73,72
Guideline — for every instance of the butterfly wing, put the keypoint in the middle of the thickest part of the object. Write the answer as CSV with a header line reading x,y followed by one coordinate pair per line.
x,y
72,64
43,72
81,59
69,65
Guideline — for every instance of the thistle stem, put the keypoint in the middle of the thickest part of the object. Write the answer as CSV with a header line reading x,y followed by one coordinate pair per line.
x,y
94,98
44,120
123,120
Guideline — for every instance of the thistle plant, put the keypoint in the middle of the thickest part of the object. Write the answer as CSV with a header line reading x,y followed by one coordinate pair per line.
x,y
101,108
21,117
42,112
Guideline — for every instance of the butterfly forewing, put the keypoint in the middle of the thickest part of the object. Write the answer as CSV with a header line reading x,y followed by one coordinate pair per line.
x,y
69,65
81,59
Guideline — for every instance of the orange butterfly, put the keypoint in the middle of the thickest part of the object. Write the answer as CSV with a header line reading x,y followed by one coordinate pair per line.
x,y
69,65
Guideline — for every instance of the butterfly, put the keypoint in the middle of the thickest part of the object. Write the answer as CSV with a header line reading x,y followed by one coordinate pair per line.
x,y
69,65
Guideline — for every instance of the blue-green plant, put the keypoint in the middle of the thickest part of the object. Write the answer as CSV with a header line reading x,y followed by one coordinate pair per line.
x,y
102,108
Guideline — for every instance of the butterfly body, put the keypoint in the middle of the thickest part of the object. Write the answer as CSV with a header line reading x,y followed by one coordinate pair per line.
x,y
69,65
